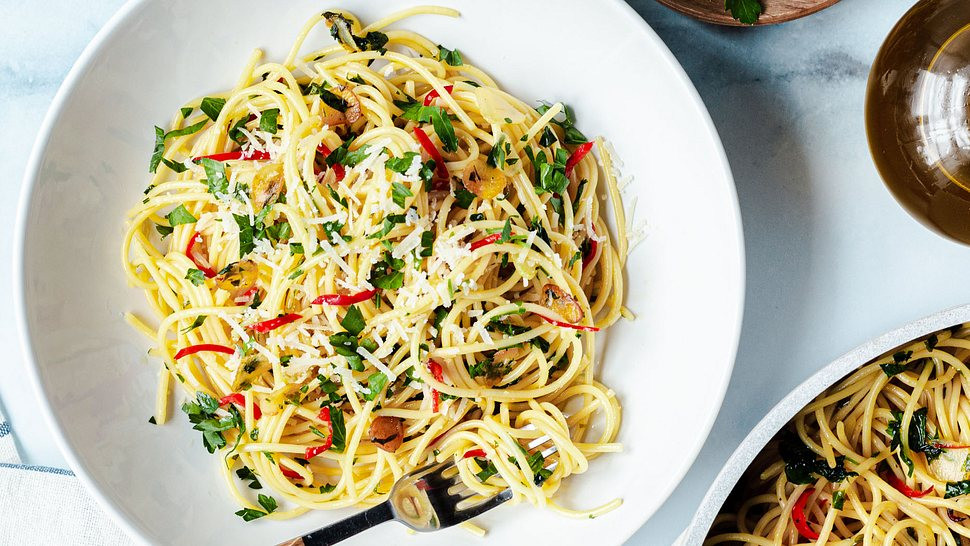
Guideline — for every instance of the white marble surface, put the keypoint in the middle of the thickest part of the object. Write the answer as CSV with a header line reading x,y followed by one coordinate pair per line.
x,y
832,260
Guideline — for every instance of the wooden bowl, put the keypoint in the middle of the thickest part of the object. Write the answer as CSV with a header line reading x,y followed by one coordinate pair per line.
x,y
775,11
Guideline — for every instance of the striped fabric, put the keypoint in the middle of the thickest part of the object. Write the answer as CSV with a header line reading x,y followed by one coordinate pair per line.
x,y
40,505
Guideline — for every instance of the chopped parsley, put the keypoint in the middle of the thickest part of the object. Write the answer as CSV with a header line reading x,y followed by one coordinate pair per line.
x,y
212,107
202,413
567,122
801,462
245,473
340,29
450,56
269,506
898,365
487,469
919,438
246,244
353,321
375,385
463,197
399,193
401,164
215,172
161,136
180,215
199,320
745,11
268,120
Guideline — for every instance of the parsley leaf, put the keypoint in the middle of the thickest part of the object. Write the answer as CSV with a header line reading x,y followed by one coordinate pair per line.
x,y
339,429
164,230
215,172
445,130
919,438
399,193
196,276
450,56
175,166
745,11
375,385
246,244
245,473
496,157
506,232
199,320
340,29
161,136
353,321
268,120
212,107
401,164
463,197
956,489
801,462
488,469
180,215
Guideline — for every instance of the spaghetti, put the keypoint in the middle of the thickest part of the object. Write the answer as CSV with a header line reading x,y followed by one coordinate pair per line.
x,y
368,258
883,457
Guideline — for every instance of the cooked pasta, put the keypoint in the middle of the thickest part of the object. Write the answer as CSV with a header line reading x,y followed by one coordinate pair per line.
x,y
368,258
882,457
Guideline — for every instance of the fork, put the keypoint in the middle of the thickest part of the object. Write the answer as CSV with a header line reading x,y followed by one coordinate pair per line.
x,y
427,499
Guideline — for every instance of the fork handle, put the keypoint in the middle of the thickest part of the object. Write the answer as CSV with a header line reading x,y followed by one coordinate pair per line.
x,y
346,528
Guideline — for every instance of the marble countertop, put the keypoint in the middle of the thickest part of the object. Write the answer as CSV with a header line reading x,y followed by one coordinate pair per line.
x,y
832,260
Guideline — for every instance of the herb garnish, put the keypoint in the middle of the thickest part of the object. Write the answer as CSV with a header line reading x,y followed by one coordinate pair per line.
x,y
745,11
919,439
450,56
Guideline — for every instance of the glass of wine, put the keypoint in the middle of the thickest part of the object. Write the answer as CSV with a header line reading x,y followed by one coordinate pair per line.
x,y
918,114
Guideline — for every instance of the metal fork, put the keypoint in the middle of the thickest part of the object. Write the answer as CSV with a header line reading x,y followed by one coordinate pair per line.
x,y
427,499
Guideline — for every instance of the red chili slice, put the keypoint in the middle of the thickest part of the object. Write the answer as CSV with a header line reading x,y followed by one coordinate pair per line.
x,y
486,241
274,323
474,453
798,516
246,297
901,486
203,347
435,368
577,156
433,94
441,181
290,474
591,252
567,325
239,400
201,262
338,169
253,155
344,300
312,452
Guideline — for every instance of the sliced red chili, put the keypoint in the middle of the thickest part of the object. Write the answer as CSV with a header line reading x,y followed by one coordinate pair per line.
x,y
590,252
253,155
798,516
246,297
435,368
290,473
486,241
433,94
239,400
203,347
344,300
201,262
474,453
338,169
578,154
441,181
312,452
900,485
568,325
274,323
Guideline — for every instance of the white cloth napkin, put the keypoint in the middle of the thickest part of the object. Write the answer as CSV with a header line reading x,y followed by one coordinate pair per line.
x,y
44,506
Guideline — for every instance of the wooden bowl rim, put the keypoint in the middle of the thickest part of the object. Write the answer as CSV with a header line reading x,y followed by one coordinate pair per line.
x,y
688,8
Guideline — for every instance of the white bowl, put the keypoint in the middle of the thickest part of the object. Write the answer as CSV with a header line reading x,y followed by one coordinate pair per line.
x,y
797,399
92,374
